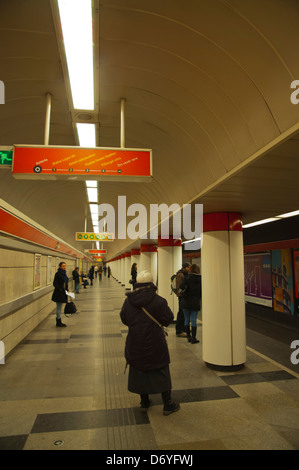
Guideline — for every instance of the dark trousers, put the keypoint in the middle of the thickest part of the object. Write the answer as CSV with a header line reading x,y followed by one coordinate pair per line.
x,y
180,321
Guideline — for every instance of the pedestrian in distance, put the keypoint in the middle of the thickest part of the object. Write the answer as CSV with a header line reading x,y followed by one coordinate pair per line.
x,y
76,279
91,275
133,274
61,285
191,301
100,272
146,349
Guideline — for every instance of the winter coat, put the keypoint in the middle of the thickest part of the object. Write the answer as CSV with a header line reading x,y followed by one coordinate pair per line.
x,y
61,285
134,276
191,300
91,273
76,276
146,348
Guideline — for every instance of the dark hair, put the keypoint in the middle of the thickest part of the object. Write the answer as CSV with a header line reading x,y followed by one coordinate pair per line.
x,y
61,263
133,268
194,269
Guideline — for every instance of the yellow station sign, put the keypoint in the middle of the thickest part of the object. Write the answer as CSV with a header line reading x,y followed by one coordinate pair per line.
x,y
92,236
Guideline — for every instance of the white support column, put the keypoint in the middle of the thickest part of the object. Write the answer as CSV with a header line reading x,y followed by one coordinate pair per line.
x,y
122,269
169,262
223,291
148,260
154,265
127,270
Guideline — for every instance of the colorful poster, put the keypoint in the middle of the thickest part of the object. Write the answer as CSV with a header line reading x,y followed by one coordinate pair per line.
x,y
296,272
258,286
282,281
51,162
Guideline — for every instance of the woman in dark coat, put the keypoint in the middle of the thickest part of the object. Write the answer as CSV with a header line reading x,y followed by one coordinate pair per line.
x,y
191,300
133,274
146,350
61,284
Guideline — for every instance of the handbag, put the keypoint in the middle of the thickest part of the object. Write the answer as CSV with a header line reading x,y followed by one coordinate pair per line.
x,y
156,321
69,309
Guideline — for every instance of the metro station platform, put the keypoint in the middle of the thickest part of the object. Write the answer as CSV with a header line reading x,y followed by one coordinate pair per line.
x,y
65,389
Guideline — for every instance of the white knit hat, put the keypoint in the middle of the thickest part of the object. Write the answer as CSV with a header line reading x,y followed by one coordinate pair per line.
x,y
144,276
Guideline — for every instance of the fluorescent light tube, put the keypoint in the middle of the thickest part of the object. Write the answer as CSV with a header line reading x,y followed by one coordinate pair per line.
x,y
91,184
76,24
288,214
86,134
92,194
94,209
191,241
260,222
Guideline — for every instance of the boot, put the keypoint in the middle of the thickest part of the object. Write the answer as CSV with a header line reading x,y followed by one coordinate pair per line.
x,y
169,405
59,322
187,329
194,339
145,402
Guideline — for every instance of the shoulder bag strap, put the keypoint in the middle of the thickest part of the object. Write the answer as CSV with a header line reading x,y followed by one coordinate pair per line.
x,y
156,321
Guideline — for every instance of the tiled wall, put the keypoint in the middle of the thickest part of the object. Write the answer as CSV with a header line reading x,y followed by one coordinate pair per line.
x,y
23,305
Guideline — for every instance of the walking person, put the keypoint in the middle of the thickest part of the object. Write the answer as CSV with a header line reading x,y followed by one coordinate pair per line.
x,y
191,301
146,350
61,284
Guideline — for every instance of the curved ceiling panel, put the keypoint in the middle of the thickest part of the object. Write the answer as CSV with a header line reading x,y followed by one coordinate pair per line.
x,y
207,87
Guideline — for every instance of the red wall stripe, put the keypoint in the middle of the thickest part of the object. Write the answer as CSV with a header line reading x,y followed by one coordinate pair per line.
x,y
12,225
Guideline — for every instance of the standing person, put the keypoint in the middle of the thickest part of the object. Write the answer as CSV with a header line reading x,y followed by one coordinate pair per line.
x,y
109,271
91,275
76,279
180,321
100,272
133,274
61,284
146,349
191,301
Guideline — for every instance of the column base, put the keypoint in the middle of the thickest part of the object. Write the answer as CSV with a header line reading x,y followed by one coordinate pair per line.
x,y
232,368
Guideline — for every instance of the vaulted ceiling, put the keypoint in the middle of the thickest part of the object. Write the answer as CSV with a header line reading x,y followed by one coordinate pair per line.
x,y
206,85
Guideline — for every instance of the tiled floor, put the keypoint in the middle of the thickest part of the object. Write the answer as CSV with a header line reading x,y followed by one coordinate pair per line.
x,y
65,388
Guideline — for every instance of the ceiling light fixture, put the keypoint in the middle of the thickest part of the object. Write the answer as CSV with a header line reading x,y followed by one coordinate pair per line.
x,y
272,219
76,25
92,194
86,134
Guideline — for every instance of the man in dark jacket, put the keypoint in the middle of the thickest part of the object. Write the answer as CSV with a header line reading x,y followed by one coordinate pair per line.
x,y
76,279
146,350
180,276
59,296
191,301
